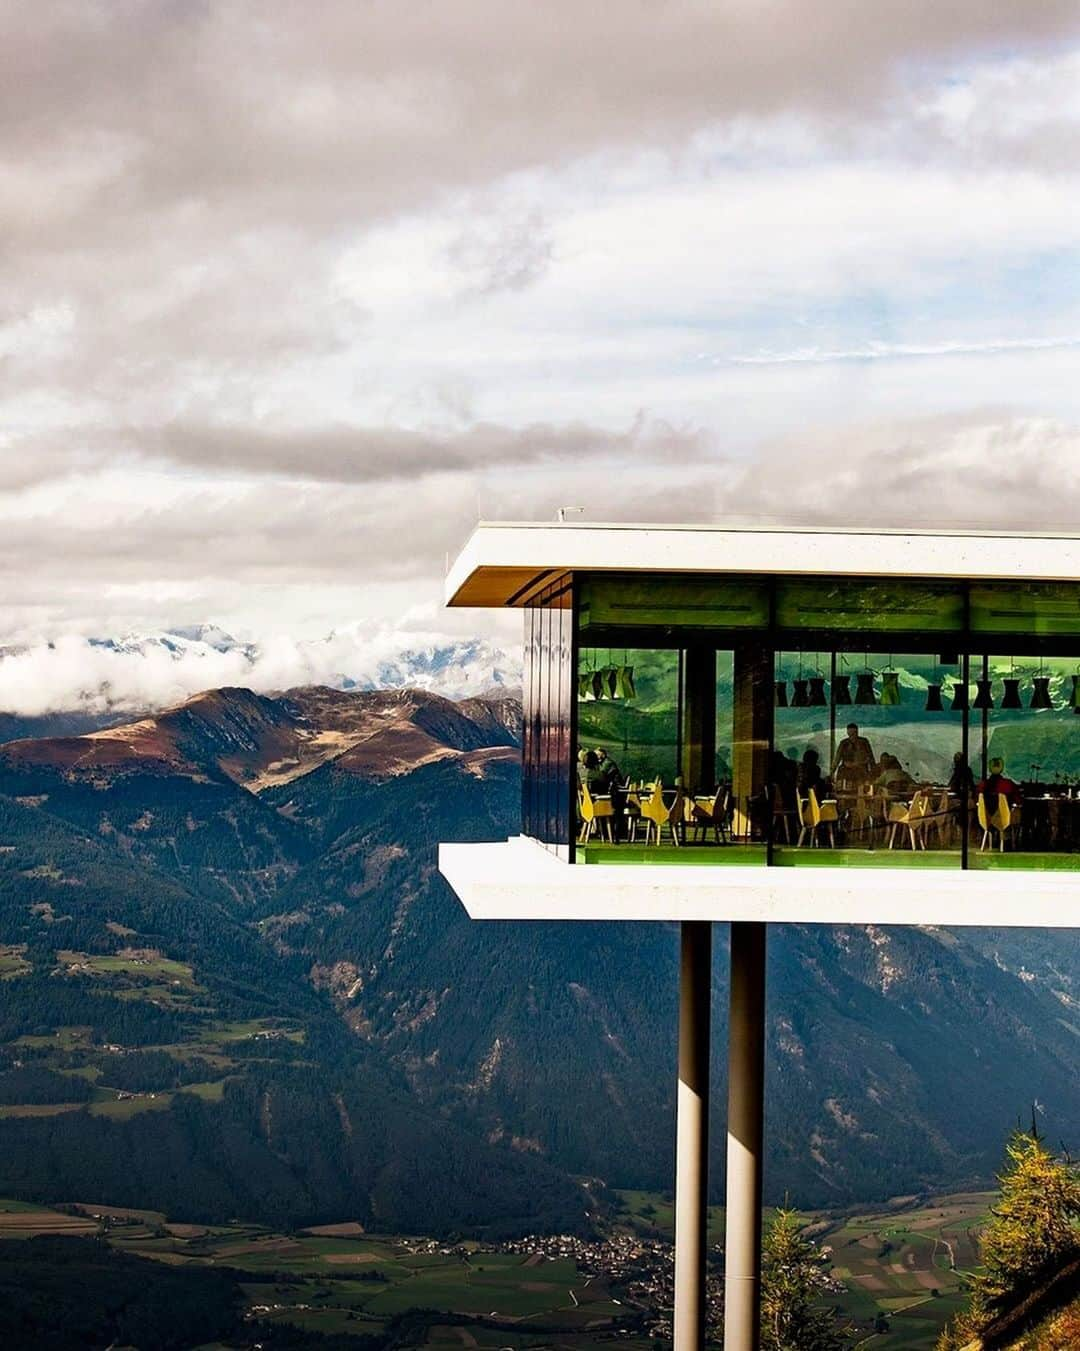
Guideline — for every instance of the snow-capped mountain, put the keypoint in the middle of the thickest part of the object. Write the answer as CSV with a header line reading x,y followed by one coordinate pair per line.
x,y
101,677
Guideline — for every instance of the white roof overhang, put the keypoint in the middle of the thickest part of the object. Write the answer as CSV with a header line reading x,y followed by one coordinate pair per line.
x,y
504,564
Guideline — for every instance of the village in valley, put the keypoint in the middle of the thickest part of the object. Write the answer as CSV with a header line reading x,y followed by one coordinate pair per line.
x,y
896,1273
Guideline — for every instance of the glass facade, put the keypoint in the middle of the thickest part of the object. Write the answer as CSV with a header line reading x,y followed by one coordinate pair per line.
x,y
801,721
547,709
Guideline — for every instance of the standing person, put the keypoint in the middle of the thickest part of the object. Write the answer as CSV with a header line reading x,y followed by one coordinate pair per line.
x,y
853,764
961,793
961,780
612,779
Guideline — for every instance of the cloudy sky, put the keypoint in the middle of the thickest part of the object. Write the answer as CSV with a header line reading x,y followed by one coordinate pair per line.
x,y
292,293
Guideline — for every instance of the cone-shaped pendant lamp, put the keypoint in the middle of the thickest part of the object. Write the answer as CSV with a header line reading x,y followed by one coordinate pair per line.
x,y
598,684
864,688
817,692
959,696
1011,697
984,697
781,694
800,697
1040,695
611,683
624,680
890,688
933,699
841,689
585,686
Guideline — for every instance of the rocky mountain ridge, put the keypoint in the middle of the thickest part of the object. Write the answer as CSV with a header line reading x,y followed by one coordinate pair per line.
x,y
313,818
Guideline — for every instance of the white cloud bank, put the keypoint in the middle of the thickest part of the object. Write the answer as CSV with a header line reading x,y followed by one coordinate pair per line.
x,y
143,672
292,294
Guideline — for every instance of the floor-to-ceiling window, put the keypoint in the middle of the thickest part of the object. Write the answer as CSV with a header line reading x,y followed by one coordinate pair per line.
x,y
1025,725
672,718
887,721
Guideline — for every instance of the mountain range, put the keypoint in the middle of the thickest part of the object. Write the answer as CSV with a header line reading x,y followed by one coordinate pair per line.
x,y
77,684
338,1040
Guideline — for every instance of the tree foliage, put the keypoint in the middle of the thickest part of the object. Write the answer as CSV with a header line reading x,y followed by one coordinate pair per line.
x,y
792,1284
1034,1228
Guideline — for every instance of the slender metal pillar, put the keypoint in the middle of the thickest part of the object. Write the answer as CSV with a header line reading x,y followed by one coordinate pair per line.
x,y
745,1135
692,1148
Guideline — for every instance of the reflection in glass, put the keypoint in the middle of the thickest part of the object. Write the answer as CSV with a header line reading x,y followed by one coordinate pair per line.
x,y
884,778
546,710
1027,798
737,694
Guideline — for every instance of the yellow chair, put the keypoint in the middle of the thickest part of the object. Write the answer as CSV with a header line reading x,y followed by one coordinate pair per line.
x,y
595,809
914,818
1002,819
704,812
657,814
814,814
635,795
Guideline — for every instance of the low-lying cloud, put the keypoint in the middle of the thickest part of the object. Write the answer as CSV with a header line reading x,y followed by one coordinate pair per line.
x,y
146,672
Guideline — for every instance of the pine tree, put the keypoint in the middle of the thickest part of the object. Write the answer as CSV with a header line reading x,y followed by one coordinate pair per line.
x,y
792,1283
1034,1228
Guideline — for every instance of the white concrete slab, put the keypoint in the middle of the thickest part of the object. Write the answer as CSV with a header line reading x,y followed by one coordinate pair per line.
x,y
490,567
520,880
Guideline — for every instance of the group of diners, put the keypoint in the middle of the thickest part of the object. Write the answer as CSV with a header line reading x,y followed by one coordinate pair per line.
x,y
865,798
862,799
612,807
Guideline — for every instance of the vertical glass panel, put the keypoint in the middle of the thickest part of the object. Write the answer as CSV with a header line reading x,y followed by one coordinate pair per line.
x,y
1025,748
545,697
546,687
528,721
628,707
637,723
877,781
673,746
725,730
744,733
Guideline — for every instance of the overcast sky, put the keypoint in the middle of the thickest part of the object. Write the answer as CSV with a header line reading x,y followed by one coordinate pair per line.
x,y
290,294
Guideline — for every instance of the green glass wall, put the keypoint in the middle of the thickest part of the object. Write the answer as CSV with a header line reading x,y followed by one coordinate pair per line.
x,y
735,679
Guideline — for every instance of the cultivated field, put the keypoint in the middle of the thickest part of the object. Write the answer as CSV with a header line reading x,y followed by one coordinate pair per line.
x,y
903,1261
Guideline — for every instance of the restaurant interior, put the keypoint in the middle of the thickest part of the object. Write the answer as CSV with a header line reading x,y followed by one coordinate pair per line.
x,y
811,721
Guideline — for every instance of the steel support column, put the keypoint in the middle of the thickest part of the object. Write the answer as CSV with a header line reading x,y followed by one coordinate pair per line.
x,y
745,1134
692,1148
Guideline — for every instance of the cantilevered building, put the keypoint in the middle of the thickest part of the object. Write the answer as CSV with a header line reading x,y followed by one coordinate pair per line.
x,y
799,726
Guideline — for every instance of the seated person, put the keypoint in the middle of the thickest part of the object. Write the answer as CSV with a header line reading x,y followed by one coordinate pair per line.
x,y
809,774
997,782
590,774
894,780
853,764
613,775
